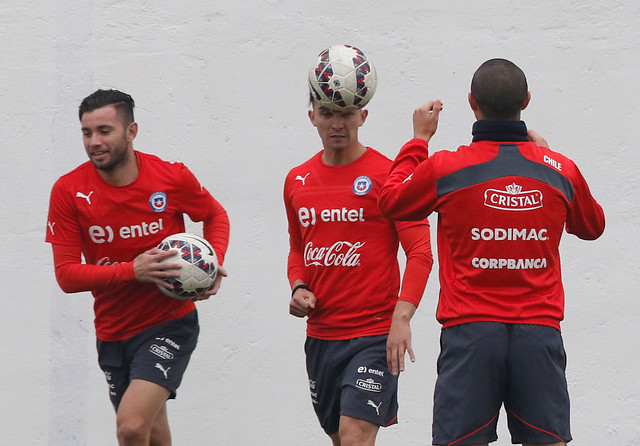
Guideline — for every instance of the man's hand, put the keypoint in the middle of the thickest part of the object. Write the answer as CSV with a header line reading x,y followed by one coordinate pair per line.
x,y
399,340
149,269
539,140
215,286
425,120
302,302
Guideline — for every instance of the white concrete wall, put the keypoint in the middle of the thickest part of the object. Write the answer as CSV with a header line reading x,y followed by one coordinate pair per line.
x,y
221,86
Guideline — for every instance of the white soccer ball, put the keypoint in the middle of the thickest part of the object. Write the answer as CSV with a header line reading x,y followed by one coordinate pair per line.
x,y
199,265
342,77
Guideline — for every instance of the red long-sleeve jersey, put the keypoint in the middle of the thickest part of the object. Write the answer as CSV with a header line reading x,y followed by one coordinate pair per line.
x,y
111,225
346,251
502,205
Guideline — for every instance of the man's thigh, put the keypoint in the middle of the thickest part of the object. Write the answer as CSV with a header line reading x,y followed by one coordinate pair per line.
x,y
159,355
471,383
142,411
356,431
369,391
537,401
143,400
350,378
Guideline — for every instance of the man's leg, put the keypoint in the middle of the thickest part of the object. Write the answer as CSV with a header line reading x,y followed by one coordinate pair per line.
x,y
471,383
561,443
537,403
354,432
524,444
143,410
160,432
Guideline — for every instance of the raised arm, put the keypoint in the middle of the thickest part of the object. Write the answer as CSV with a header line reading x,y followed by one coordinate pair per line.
x,y
408,194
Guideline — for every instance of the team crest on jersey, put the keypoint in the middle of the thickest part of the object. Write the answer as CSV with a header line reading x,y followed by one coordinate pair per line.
x,y
362,185
158,201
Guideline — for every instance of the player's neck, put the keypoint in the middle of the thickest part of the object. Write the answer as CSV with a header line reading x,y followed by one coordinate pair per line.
x,y
124,174
340,157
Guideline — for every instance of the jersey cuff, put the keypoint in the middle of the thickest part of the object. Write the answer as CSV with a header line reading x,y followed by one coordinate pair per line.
x,y
127,272
413,300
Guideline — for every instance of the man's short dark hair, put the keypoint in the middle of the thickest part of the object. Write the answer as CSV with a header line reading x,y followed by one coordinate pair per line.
x,y
100,98
500,89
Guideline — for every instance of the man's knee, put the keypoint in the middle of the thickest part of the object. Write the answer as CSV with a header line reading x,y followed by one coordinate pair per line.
x,y
354,432
133,430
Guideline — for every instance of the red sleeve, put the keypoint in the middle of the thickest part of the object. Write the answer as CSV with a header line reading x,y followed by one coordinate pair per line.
x,y
416,243
62,223
73,276
216,230
295,262
585,218
199,205
409,193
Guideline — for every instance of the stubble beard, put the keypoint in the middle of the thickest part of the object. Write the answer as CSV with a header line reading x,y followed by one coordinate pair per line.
x,y
119,156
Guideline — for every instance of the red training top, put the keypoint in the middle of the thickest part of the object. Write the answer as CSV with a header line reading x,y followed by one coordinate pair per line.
x,y
346,251
502,203
111,225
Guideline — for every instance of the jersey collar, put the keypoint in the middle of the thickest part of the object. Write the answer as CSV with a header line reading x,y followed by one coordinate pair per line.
x,y
499,131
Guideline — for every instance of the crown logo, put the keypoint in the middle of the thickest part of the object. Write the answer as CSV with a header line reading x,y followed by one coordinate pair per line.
x,y
514,189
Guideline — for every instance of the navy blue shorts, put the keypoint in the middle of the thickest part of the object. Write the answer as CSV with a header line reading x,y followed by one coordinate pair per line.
x,y
351,378
485,364
159,355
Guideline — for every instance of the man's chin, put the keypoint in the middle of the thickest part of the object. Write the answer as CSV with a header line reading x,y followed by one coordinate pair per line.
x,y
103,166
338,144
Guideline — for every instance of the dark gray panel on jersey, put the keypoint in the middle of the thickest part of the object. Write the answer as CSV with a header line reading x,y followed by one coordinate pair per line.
x,y
508,162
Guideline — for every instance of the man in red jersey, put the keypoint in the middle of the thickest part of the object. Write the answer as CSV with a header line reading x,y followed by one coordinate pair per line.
x,y
502,205
114,210
345,278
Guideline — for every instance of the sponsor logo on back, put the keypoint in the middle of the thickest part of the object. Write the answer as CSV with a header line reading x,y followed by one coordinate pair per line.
x,y
513,198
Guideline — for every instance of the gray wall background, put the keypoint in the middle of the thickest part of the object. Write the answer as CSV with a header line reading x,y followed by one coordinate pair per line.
x,y
221,86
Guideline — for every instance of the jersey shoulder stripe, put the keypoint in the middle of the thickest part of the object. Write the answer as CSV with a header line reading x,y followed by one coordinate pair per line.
x,y
508,162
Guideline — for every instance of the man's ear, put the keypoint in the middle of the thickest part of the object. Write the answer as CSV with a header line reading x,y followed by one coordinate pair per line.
x,y
475,107
363,116
472,102
132,131
526,101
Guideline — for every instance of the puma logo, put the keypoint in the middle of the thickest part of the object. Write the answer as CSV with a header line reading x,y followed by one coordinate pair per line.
x,y
86,197
302,178
408,178
51,225
376,407
163,370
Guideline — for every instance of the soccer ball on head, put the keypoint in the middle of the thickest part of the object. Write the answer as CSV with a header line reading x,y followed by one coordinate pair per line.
x,y
342,77
199,265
